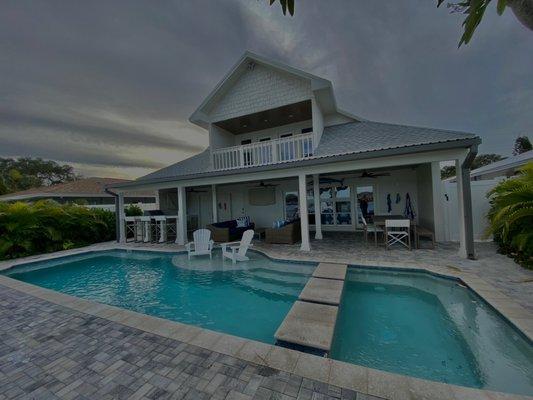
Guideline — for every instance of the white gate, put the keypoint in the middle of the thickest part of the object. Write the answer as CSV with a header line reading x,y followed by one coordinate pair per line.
x,y
480,208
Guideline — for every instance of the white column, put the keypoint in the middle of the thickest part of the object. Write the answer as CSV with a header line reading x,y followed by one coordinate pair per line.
x,y
181,234
460,209
316,197
215,202
304,220
121,222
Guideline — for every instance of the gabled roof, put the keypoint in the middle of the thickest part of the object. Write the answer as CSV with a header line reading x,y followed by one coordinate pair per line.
x,y
354,138
88,187
507,164
322,87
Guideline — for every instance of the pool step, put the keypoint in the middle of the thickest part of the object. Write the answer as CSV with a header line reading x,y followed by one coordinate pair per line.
x,y
330,271
310,323
322,291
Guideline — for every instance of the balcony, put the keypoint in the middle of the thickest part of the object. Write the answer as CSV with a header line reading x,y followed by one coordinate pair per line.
x,y
298,147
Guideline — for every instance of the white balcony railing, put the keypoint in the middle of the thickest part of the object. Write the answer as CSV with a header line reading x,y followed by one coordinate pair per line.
x,y
298,147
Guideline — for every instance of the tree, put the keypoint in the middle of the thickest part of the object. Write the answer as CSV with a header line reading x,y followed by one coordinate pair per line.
x,y
475,10
521,145
480,161
25,173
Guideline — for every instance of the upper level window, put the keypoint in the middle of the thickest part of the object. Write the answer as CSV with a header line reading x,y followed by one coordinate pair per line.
x,y
307,130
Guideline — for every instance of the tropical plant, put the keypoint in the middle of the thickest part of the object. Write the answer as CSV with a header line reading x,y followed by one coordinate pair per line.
x,y
511,216
46,226
133,210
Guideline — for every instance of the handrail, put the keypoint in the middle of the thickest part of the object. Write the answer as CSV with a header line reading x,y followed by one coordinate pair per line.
x,y
274,151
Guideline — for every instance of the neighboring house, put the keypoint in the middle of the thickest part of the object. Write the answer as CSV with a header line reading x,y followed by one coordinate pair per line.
x,y
279,145
89,191
483,179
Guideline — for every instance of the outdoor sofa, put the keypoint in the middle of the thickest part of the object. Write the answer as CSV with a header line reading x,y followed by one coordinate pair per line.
x,y
227,231
287,234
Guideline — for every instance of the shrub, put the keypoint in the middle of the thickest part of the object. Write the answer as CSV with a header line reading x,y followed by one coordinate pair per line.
x,y
511,216
46,226
133,211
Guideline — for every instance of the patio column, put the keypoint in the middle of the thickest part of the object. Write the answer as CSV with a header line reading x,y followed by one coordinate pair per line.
x,y
464,200
120,211
304,220
316,198
215,204
181,234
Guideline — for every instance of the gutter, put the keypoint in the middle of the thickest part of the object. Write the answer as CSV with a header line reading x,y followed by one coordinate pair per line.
x,y
117,216
467,202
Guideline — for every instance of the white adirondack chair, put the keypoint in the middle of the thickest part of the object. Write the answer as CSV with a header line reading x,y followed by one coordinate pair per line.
x,y
237,250
201,245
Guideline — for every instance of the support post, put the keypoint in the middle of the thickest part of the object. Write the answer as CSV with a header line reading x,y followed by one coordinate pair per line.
x,y
121,223
181,234
438,209
304,220
464,199
215,202
316,199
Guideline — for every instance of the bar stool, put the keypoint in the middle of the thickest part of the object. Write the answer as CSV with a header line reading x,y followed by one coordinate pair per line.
x,y
130,227
146,228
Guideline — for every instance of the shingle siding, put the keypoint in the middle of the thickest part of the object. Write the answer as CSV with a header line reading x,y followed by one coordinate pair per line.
x,y
260,89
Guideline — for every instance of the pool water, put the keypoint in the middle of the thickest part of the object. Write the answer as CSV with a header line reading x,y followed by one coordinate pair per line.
x,y
432,328
249,299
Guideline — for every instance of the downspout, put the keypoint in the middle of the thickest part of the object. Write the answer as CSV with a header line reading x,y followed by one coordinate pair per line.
x,y
117,216
467,202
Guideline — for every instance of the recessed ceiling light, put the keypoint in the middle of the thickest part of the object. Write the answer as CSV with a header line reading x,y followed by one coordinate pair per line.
x,y
245,126
266,120
290,115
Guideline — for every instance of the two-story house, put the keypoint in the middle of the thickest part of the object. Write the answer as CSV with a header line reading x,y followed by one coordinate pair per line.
x,y
280,146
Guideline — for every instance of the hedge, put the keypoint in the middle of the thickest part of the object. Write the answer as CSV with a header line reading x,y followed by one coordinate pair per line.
x,y
46,226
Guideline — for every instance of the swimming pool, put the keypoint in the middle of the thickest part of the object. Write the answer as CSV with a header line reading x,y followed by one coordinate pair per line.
x,y
429,327
249,299
411,323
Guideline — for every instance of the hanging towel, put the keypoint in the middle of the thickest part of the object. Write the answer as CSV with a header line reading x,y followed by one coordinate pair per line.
x,y
389,203
409,212
398,198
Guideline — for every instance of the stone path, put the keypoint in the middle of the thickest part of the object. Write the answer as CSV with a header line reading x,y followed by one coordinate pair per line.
x,y
48,352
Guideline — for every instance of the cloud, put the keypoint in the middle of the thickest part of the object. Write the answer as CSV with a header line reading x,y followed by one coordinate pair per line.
x,y
109,86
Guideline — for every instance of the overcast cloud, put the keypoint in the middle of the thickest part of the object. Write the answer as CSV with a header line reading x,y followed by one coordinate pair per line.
x,y
108,86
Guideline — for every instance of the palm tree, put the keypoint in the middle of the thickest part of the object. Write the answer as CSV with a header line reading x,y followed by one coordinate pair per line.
x,y
511,216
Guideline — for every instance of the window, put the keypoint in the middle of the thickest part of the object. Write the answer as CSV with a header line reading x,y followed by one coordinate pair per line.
x,y
307,130
335,205
291,205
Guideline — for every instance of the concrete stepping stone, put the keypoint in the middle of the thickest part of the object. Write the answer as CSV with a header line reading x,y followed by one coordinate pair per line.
x,y
330,271
324,291
309,324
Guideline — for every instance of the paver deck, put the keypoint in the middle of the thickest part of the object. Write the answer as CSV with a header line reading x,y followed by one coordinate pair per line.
x,y
330,271
309,324
323,291
48,351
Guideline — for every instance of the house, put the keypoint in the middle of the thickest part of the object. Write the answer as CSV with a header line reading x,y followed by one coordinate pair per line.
x,y
279,145
502,169
89,191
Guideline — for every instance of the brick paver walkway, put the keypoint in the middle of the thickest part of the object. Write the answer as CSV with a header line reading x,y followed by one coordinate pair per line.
x,y
48,352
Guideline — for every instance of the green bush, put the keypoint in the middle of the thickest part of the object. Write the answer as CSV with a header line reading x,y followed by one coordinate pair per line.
x,y
46,226
133,211
511,216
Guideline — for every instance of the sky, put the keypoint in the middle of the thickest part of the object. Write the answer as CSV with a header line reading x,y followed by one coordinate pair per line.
x,y
108,86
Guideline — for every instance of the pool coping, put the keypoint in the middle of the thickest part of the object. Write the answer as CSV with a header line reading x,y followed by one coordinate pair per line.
x,y
346,375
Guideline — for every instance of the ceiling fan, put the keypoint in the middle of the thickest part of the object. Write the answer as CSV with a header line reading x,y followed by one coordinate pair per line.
x,y
367,174
193,190
262,184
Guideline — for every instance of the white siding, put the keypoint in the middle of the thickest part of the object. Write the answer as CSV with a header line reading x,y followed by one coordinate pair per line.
x,y
260,89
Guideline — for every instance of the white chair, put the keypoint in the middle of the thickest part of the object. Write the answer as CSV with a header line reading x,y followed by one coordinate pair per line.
x,y
201,245
238,249
398,231
371,228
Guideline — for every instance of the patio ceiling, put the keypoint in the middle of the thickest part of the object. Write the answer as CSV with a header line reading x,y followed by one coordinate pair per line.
x,y
284,115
